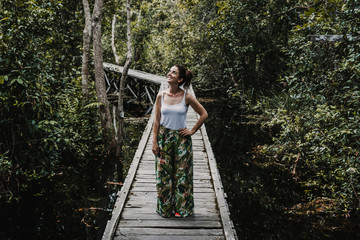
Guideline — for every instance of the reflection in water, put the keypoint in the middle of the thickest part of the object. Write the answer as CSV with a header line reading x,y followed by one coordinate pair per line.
x,y
256,192
77,203
260,190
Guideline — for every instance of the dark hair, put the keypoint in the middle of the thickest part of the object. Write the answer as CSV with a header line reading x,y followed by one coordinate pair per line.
x,y
186,75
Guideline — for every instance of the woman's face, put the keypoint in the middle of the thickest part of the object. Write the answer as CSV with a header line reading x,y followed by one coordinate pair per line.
x,y
173,75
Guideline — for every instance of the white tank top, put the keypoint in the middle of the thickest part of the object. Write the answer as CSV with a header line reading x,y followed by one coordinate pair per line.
x,y
173,116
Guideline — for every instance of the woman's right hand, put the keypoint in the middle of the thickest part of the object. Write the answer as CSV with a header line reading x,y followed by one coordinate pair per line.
x,y
156,149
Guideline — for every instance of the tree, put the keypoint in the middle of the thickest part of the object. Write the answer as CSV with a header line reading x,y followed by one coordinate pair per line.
x,y
120,111
86,50
104,108
113,45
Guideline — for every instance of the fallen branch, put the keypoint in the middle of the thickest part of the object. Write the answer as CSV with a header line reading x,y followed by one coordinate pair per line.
x,y
115,183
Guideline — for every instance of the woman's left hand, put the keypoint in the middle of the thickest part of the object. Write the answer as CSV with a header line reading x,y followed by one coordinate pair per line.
x,y
185,132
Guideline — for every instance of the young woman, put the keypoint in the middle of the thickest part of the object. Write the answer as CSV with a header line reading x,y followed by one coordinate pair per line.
x,y
172,145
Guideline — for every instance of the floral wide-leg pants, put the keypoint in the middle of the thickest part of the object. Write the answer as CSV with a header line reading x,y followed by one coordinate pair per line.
x,y
174,174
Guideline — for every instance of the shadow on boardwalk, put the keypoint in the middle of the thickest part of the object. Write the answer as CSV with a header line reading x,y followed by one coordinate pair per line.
x,y
134,215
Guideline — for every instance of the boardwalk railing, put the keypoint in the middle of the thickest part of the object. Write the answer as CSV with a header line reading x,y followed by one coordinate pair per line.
x,y
134,215
136,74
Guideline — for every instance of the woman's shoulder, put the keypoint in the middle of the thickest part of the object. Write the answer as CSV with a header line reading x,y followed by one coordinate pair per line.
x,y
189,98
188,94
160,93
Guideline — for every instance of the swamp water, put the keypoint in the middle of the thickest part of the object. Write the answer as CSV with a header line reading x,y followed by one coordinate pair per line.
x,y
80,203
77,204
261,193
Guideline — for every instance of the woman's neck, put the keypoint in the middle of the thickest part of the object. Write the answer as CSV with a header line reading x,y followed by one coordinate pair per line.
x,y
174,89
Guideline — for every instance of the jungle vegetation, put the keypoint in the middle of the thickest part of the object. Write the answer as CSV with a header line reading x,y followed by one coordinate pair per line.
x,y
255,57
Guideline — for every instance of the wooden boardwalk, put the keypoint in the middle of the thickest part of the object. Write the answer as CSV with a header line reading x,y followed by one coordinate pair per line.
x,y
136,73
134,215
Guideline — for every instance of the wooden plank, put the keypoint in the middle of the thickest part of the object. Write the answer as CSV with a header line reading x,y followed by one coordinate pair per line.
x,y
197,184
229,231
166,232
149,198
154,194
155,216
139,203
152,189
123,193
149,156
152,199
198,157
151,209
150,164
152,171
137,218
136,74
153,181
169,223
199,203
146,237
197,176
197,171
143,204
149,96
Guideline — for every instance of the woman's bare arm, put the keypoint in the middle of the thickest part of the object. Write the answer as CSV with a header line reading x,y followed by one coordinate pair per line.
x,y
199,109
156,125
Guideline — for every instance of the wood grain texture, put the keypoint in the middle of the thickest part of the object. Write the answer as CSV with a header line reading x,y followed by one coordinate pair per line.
x,y
134,215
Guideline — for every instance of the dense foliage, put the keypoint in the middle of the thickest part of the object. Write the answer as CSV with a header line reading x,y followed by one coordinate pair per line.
x,y
306,165
318,113
294,105
38,79
47,136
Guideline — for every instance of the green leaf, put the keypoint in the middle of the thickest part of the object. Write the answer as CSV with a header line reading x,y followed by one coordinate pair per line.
x,y
12,81
94,104
298,27
20,81
4,19
2,80
312,10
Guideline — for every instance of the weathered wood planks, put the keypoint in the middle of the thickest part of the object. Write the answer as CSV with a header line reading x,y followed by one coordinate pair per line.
x,y
136,74
134,215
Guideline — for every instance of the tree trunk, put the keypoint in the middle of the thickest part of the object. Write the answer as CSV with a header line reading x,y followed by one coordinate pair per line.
x,y
113,47
117,59
86,51
122,83
104,109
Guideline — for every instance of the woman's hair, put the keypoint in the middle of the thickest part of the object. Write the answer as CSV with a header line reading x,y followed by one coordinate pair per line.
x,y
186,75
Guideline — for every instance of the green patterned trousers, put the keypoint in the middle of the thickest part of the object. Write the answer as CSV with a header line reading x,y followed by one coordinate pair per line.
x,y
174,174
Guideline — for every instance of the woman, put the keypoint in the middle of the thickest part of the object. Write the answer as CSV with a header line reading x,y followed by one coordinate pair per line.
x,y
172,145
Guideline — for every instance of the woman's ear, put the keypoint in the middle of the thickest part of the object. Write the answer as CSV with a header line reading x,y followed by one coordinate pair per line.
x,y
180,80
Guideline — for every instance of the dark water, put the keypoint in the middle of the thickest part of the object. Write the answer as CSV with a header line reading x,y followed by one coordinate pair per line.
x,y
77,203
259,191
